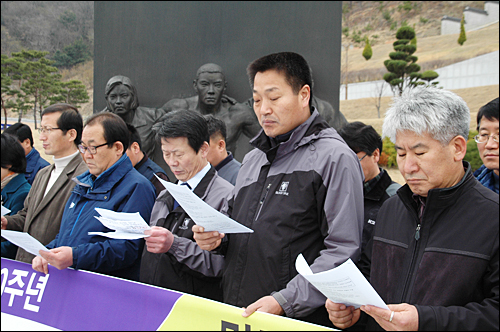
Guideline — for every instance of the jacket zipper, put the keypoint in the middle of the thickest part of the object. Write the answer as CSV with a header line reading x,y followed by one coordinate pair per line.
x,y
412,263
262,201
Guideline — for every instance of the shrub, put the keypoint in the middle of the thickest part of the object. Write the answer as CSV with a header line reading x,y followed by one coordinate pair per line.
x,y
472,154
388,157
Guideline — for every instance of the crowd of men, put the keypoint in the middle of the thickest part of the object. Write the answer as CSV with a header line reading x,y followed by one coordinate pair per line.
x,y
429,247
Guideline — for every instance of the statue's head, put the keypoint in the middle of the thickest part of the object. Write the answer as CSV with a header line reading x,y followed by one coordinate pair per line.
x,y
121,95
210,84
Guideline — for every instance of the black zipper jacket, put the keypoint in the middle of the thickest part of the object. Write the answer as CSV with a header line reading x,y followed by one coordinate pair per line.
x,y
447,264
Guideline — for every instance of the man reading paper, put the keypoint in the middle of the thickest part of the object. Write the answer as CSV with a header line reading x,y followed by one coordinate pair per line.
x,y
184,143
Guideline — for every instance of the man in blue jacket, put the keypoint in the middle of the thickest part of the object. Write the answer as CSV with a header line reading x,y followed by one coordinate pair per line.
x,y
487,145
110,183
34,162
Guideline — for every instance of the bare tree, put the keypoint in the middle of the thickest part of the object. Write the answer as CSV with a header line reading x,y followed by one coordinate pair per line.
x,y
378,93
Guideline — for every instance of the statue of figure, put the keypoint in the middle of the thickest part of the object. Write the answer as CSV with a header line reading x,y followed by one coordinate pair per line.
x,y
210,84
121,97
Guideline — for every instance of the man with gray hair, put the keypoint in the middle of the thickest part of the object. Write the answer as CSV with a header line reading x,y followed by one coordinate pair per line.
x,y
424,259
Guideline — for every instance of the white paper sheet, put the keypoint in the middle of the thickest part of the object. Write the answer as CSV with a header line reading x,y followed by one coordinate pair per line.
x,y
343,284
201,213
25,241
127,226
5,211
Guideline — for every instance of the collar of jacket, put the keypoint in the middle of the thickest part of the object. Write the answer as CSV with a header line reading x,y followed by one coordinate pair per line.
x,y
440,198
307,132
14,185
106,180
378,189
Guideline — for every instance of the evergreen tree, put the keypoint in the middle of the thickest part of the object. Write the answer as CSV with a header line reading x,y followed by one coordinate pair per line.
x,y
462,38
367,52
403,70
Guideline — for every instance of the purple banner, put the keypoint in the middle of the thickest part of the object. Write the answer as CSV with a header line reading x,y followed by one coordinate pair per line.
x,y
80,300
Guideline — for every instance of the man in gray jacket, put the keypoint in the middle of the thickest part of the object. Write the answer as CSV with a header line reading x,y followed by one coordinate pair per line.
x,y
61,132
184,142
300,190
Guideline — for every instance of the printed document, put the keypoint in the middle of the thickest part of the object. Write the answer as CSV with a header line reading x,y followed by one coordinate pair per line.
x,y
343,284
25,241
127,226
5,211
202,213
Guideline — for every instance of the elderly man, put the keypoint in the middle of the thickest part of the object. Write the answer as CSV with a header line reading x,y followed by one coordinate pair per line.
x,y
110,183
34,162
184,142
487,144
122,99
300,191
435,248
60,133
210,84
223,161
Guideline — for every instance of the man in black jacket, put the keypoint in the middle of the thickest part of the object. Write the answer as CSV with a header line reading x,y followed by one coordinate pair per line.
x,y
435,246
378,186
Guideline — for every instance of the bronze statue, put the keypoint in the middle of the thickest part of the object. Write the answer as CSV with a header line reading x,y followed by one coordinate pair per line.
x,y
210,84
121,97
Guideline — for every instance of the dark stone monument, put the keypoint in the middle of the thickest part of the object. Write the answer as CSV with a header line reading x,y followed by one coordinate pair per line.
x,y
158,44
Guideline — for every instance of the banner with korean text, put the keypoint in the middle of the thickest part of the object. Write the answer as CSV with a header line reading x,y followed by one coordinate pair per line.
x,y
81,300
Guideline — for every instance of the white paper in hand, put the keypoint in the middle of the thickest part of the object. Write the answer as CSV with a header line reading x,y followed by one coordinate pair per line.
x,y
201,213
343,284
127,226
25,241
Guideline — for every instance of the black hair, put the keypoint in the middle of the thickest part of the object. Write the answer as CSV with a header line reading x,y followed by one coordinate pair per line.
x,y
294,66
21,131
489,111
134,135
361,137
13,157
215,126
183,123
115,129
70,119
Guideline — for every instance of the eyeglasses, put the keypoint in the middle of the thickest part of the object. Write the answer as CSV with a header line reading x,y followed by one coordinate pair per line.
x,y
362,157
485,138
46,130
91,149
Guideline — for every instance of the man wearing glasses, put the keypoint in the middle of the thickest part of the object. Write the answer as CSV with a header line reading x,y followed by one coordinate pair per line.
x,y
111,183
487,144
60,132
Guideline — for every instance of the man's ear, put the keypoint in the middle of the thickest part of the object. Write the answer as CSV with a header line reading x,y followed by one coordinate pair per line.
x,y
221,145
458,144
376,155
26,143
118,146
72,134
305,95
204,149
194,85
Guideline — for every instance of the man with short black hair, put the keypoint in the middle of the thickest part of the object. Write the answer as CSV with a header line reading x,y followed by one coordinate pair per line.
x,y
110,183
378,185
142,163
223,161
170,247
487,144
299,190
60,133
34,162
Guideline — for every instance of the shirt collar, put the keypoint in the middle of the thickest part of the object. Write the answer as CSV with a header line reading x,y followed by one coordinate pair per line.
x,y
195,180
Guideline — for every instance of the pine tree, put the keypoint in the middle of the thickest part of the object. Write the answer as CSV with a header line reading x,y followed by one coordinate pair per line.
x,y
462,38
367,52
403,70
